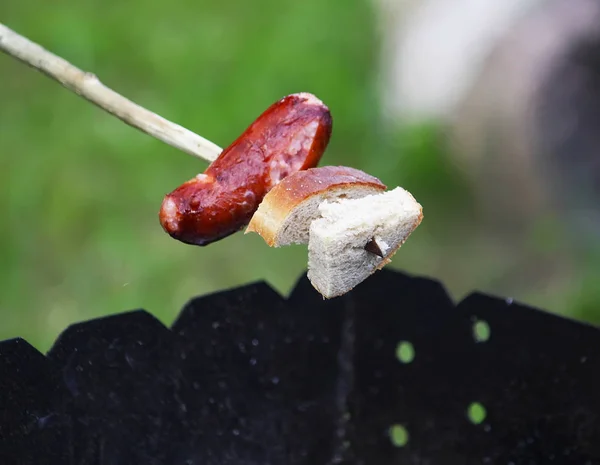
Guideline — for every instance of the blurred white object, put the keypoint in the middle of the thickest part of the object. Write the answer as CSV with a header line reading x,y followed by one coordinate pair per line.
x,y
516,86
433,50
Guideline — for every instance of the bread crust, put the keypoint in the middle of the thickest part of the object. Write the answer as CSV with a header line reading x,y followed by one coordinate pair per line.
x,y
298,187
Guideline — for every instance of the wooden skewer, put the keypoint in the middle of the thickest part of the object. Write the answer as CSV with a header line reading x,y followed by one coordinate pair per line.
x,y
88,86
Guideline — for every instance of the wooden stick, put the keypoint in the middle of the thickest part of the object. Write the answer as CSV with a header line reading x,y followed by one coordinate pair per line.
x,y
89,87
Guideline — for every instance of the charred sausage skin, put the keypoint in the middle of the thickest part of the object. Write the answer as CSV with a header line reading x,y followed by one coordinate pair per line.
x,y
291,135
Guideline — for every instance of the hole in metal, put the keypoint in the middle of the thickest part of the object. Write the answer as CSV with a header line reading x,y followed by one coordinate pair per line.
x,y
476,413
398,435
481,331
405,352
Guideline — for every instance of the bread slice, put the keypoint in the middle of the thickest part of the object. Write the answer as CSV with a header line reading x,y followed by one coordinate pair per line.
x,y
286,212
351,224
337,258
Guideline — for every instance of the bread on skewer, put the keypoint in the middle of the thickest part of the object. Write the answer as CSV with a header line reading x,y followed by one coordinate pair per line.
x,y
351,224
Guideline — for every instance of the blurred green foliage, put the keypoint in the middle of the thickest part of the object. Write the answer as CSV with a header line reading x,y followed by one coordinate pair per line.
x,y
80,237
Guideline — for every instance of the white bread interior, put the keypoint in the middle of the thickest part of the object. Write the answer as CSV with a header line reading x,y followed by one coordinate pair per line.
x,y
337,259
295,228
286,212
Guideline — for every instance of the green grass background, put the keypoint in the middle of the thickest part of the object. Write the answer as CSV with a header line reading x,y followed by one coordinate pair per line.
x,y
81,191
